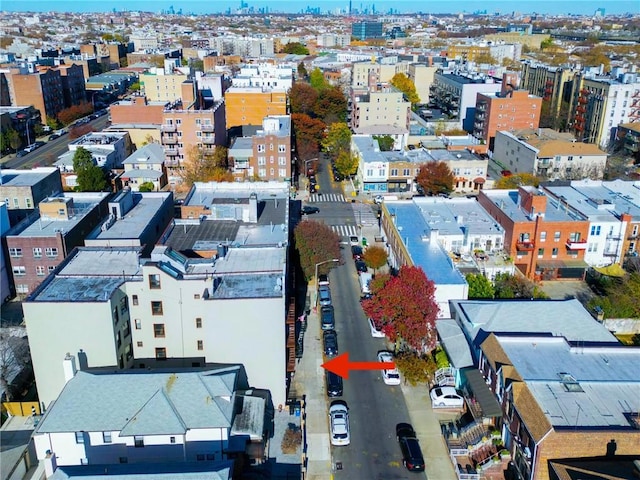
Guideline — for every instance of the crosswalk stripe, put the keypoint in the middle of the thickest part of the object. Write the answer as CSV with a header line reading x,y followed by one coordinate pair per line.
x,y
327,197
345,230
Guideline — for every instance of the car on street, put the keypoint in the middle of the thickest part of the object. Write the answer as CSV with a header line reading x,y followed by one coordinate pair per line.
x,y
353,240
39,143
361,267
330,343
392,375
323,279
324,295
308,210
53,136
339,419
356,252
30,148
446,397
334,384
21,153
327,319
412,457
378,199
375,333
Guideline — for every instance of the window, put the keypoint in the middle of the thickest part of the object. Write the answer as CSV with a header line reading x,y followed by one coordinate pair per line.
x,y
556,237
200,345
211,456
282,160
178,121
271,146
394,172
405,172
27,202
200,457
262,172
51,268
554,253
540,252
51,252
124,460
79,437
138,441
40,270
570,158
16,203
543,236
140,344
161,353
282,172
262,160
198,322
198,121
282,148
106,437
196,296
154,281
158,330
156,308
595,230
272,171
22,288
172,439
261,148
19,271
37,252
134,299
15,252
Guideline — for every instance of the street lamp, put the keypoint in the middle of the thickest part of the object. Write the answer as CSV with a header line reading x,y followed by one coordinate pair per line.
x,y
335,260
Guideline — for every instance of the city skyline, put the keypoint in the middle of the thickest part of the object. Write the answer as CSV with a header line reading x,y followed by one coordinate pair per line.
x,y
574,7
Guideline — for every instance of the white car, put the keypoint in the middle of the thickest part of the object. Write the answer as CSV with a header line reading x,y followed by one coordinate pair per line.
x,y
339,418
391,376
446,397
378,199
375,333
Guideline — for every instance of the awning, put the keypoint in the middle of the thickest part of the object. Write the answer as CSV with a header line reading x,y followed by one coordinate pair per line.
x,y
479,180
561,264
485,397
613,270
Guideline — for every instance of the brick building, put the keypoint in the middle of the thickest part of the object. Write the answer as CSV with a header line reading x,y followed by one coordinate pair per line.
x,y
249,105
22,190
42,88
546,242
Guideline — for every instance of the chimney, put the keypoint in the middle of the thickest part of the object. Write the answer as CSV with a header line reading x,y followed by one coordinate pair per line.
x,y
50,464
69,367
253,208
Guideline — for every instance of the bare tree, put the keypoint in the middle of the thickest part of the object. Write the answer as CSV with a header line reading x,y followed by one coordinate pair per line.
x,y
14,358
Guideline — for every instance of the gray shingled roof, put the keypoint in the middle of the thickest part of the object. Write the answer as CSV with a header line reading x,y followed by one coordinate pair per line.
x,y
147,471
143,402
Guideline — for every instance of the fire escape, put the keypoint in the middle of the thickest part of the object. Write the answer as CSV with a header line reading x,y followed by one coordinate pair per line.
x,y
581,110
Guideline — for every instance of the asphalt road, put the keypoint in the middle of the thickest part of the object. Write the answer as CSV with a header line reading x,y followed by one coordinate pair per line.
x,y
374,407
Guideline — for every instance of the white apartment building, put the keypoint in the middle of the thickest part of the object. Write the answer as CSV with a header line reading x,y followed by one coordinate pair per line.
x,y
144,41
333,40
380,70
265,76
379,106
550,155
108,149
247,47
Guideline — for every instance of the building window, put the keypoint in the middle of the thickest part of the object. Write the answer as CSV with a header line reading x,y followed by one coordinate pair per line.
x,y
556,237
124,460
543,236
200,345
262,172
405,172
161,353
282,160
394,172
51,252
106,437
262,160
15,252
282,148
211,456
22,288
40,270
138,441
158,330
16,203
140,344
282,172
540,252
272,171
37,252
27,202
19,271
261,148
154,281
595,230
198,322
51,268
156,308
134,299
79,437
200,457
554,253
172,439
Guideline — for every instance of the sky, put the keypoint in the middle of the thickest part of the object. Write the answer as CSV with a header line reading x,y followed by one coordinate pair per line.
x,y
294,6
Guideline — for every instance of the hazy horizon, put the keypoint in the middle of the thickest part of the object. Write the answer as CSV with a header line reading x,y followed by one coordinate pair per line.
x,y
574,7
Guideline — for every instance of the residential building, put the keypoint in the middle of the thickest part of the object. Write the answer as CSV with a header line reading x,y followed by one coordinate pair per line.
x,y
456,95
546,242
41,88
6,288
145,166
243,46
552,84
140,117
144,41
22,120
22,190
41,241
600,103
89,65
241,159
115,82
422,76
613,214
628,136
139,416
146,471
508,110
377,70
264,75
136,219
548,154
379,106
333,40
164,84
249,105
366,30
481,52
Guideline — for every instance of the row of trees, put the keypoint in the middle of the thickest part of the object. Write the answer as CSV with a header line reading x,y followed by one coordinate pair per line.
x,y
504,286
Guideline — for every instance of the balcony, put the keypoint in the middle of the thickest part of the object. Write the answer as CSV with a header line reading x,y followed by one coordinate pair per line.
x,y
576,244
581,109
169,140
168,128
583,100
482,107
525,246
207,128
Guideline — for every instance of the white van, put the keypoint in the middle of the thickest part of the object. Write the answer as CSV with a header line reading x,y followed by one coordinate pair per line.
x,y
365,280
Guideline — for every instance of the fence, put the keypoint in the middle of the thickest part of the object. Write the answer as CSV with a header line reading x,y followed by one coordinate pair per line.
x,y
303,427
21,409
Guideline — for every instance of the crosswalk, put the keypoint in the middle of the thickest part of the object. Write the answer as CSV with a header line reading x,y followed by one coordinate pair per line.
x,y
345,230
363,214
327,197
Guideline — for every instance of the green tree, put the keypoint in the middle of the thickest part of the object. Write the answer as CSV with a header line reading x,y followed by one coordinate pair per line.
x,y
315,243
385,142
406,86
13,138
317,80
146,187
302,71
415,368
516,286
375,257
435,178
346,163
295,48
479,286
338,139
91,178
516,180
135,87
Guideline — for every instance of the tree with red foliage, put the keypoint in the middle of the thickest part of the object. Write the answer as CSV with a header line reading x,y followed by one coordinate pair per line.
x,y
404,308
316,243
80,130
71,114
435,178
308,132
331,106
302,98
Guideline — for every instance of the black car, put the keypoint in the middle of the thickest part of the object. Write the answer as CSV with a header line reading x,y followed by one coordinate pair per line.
x,y
361,267
356,252
327,320
21,153
53,136
308,210
334,384
330,342
411,453
39,143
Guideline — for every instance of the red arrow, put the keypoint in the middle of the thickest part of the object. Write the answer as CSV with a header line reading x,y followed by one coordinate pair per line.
x,y
341,365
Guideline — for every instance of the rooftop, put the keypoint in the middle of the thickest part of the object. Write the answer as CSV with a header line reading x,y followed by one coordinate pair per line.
x,y
456,216
24,178
147,471
152,153
508,201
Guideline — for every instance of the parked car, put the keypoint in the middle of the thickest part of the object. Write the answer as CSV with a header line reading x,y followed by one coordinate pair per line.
x,y
446,397
378,199
327,319
392,375
353,240
324,295
30,148
53,136
334,384
356,252
308,210
21,153
330,343
361,267
375,333
39,143
411,453
339,419
323,279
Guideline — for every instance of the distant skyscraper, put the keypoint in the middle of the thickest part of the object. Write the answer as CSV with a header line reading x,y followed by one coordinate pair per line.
x,y
349,7
599,12
365,30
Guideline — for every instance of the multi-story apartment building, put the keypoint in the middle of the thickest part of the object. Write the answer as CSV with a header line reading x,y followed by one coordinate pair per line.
x,y
549,154
379,106
475,51
509,110
366,30
456,95
139,117
72,85
600,103
145,165
377,70
333,40
22,190
613,211
41,88
552,84
225,261
264,76
144,41
160,86
545,241
249,105
245,47
22,120
271,150
628,135
422,76
40,242
6,288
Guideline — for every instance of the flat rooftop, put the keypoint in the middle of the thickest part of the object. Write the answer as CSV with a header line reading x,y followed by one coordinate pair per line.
x,y
257,260
507,201
250,285
24,178
451,215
